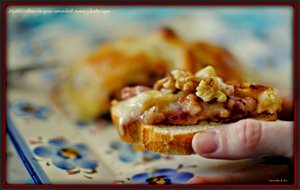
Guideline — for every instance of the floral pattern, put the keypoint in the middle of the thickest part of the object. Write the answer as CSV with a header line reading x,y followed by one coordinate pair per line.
x,y
81,125
162,176
95,127
126,153
66,156
29,110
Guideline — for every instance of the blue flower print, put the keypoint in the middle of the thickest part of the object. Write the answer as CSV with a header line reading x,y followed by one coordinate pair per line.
x,y
162,176
128,154
81,125
26,109
66,156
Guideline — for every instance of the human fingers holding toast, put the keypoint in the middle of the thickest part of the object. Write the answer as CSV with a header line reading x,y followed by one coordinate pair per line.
x,y
249,138
186,113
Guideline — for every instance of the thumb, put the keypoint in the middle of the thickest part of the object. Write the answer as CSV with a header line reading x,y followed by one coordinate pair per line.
x,y
246,139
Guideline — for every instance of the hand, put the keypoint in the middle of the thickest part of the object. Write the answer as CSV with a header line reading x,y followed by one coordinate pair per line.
x,y
248,138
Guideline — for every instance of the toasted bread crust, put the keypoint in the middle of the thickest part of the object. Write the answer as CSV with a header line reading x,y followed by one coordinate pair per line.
x,y
169,143
150,137
175,141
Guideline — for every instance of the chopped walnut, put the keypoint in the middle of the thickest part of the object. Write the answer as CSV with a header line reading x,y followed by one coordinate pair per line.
x,y
206,72
185,80
178,79
269,101
214,88
166,84
205,92
218,84
169,84
207,89
221,97
210,89
181,75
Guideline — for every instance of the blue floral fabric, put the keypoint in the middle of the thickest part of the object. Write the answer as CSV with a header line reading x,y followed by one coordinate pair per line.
x,y
26,109
127,154
162,176
66,156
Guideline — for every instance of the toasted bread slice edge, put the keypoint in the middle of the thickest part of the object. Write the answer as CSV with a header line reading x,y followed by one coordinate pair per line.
x,y
160,138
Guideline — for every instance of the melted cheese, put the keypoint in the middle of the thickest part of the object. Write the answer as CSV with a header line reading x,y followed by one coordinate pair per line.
x,y
129,110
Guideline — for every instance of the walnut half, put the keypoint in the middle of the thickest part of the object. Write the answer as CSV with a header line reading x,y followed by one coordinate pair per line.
x,y
211,89
185,80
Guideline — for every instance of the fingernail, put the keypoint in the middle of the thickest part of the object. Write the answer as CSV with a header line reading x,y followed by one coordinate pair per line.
x,y
205,142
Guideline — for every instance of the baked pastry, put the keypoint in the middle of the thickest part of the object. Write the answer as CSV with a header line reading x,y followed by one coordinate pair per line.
x,y
165,118
86,88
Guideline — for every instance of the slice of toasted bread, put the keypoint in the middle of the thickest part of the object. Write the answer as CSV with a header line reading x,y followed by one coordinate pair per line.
x,y
161,138
166,118
168,139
